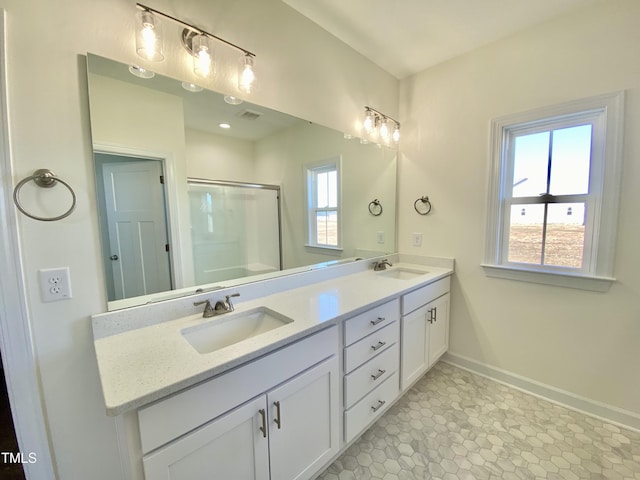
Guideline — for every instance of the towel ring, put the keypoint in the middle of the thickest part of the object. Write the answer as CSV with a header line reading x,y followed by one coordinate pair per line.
x,y
44,178
425,201
375,208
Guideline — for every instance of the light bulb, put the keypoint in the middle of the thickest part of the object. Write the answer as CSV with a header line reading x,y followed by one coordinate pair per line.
x,y
246,75
201,55
149,37
396,134
384,129
368,121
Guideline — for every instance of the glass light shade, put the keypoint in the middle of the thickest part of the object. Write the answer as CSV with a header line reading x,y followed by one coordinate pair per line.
x,y
149,37
246,74
202,53
396,134
384,129
368,121
141,72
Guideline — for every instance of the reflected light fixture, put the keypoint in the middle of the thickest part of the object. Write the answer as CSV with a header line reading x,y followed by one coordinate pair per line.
x,y
195,40
191,87
141,72
231,100
376,123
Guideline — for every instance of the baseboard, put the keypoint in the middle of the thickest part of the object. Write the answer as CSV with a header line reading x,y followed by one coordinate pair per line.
x,y
609,413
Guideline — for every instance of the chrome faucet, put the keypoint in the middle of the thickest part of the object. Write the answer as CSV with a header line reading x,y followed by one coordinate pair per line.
x,y
381,265
221,306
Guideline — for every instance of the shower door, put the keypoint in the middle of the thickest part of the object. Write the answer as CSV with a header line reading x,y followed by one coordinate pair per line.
x,y
235,229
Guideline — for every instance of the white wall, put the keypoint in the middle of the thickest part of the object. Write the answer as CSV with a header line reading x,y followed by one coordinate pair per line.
x,y
582,342
303,71
217,157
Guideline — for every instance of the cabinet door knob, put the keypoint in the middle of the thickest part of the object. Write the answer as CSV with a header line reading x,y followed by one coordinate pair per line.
x,y
263,428
378,346
376,376
277,420
375,408
377,320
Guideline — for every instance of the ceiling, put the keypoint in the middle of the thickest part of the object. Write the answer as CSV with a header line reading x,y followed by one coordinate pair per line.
x,y
407,36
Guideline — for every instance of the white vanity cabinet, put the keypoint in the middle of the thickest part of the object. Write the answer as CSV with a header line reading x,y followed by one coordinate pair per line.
x,y
371,365
285,432
425,329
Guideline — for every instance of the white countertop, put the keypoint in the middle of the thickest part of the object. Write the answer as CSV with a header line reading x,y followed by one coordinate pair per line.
x,y
144,364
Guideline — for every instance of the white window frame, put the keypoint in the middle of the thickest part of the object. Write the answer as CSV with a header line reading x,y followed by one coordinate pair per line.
x,y
310,172
605,113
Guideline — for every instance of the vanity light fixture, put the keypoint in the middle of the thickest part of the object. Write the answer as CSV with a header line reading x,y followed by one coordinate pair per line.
x,y
376,123
195,40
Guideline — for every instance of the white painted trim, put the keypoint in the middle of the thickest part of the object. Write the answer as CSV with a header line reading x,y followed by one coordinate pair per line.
x,y
17,347
603,411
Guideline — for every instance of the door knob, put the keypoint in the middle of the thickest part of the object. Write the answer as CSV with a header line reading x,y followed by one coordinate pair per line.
x,y
114,257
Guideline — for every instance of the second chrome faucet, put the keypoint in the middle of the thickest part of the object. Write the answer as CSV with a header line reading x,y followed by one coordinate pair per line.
x,y
221,306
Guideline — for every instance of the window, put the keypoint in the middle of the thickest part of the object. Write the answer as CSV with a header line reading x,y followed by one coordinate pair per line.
x,y
323,204
554,194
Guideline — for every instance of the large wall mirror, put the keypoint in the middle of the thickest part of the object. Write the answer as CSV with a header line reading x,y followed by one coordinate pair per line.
x,y
198,190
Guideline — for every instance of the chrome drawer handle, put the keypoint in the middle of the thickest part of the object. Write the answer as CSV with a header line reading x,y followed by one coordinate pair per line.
x,y
377,320
379,374
377,407
378,346
263,428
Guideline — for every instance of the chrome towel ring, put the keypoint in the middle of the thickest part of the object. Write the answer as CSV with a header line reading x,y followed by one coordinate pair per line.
x,y
425,205
44,178
375,208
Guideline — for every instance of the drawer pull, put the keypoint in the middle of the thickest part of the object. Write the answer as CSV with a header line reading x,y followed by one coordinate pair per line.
x,y
435,314
378,346
377,407
379,374
277,419
377,320
263,428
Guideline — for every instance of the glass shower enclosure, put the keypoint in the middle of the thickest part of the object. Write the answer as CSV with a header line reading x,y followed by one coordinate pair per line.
x,y
235,229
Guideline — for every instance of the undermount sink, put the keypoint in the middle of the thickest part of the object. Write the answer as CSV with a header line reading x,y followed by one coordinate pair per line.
x,y
230,328
402,273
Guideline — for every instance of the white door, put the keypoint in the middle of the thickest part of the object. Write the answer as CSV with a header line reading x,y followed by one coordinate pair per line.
x,y
415,345
303,422
136,220
231,447
439,328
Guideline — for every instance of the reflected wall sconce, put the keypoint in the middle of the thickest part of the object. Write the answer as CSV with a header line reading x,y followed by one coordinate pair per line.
x,y
199,44
376,123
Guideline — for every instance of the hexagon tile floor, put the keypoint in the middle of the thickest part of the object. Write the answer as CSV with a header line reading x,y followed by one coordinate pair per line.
x,y
454,425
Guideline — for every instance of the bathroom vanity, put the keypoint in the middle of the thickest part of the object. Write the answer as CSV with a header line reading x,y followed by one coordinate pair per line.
x,y
279,387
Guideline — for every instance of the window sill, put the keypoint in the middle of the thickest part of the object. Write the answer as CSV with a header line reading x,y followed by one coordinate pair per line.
x,y
559,279
324,249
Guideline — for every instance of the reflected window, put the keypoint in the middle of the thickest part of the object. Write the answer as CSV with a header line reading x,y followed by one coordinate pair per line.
x,y
323,204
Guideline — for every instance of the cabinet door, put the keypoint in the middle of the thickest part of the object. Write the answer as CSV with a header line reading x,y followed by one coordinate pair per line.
x,y
303,422
233,446
439,328
415,345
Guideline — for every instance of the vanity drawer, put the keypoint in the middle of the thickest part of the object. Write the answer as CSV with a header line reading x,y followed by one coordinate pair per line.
x,y
370,346
368,376
370,407
368,322
424,295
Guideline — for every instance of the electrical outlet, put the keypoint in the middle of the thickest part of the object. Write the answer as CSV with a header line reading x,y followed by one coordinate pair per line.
x,y
417,239
55,284
380,237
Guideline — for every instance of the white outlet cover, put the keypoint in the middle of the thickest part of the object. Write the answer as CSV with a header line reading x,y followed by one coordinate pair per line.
x,y
417,239
55,284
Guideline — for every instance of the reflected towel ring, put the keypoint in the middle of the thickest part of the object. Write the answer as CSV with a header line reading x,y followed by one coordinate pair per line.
x,y
427,205
44,178
375,208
